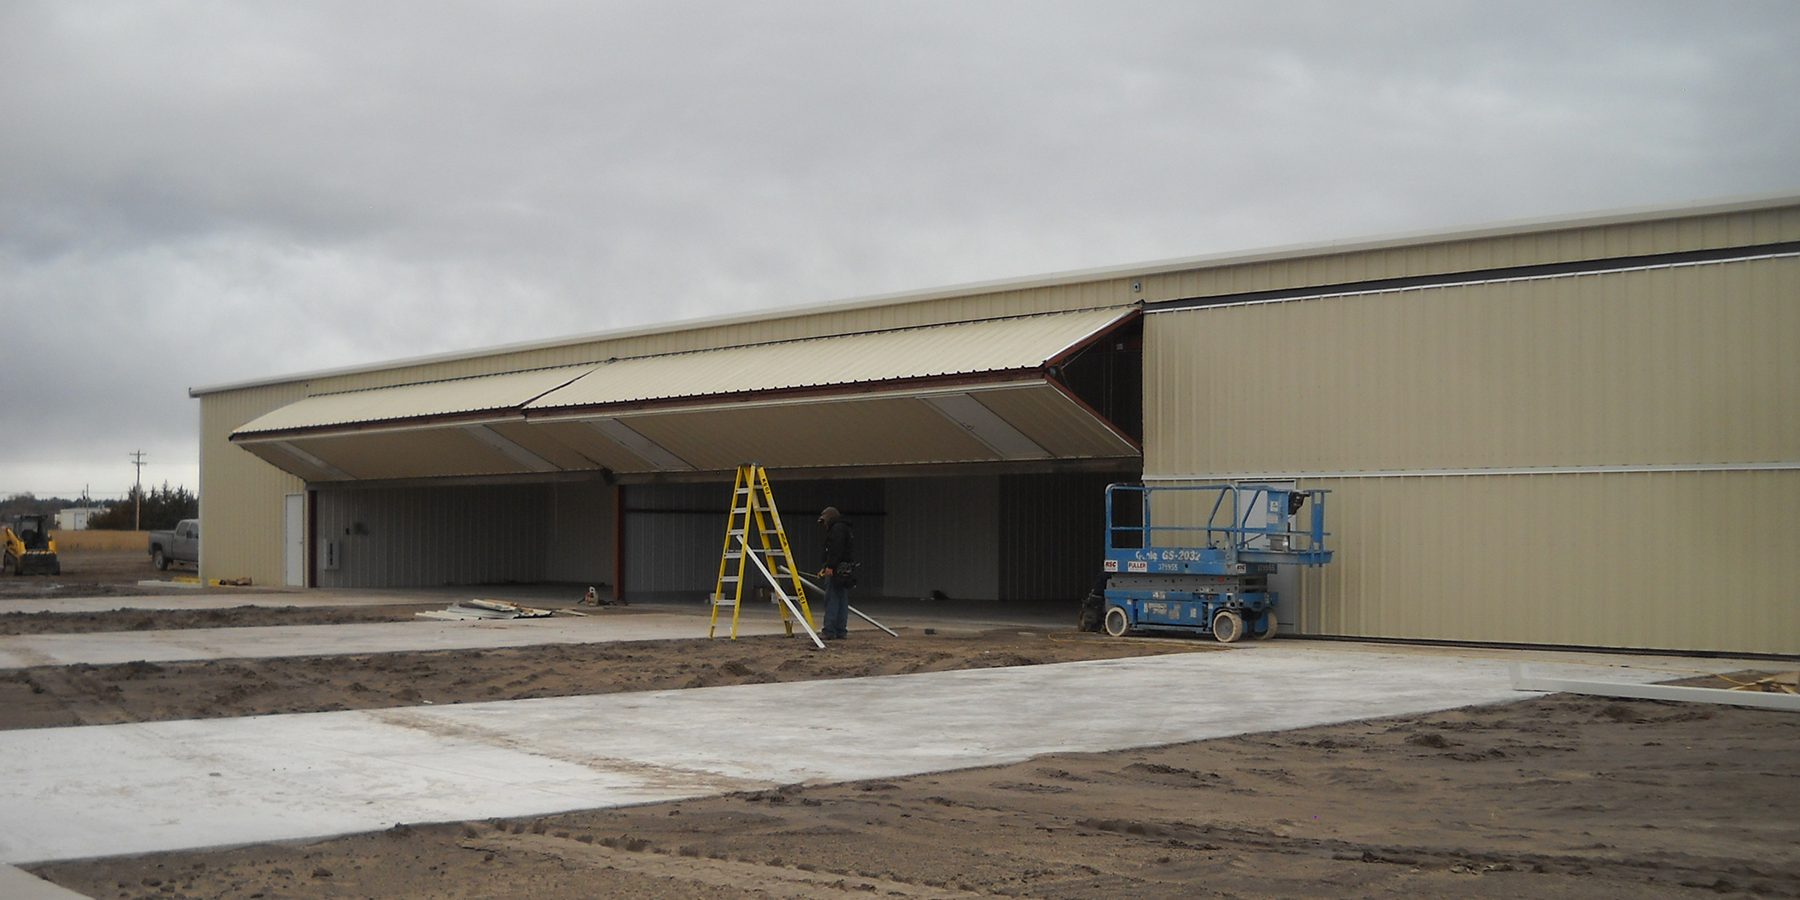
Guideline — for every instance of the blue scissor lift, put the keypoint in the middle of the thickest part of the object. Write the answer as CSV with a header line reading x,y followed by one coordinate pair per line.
x,y
1211,578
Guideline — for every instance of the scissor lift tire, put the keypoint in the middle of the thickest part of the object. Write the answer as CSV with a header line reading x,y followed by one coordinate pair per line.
x,y
1270,626
1117,624
1227,626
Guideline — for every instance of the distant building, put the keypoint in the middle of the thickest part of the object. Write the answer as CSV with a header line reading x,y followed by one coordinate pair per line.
x,y
75,518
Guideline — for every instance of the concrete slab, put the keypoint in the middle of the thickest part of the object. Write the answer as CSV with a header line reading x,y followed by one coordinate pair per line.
x,y
17,884
112,647
216,600
123,789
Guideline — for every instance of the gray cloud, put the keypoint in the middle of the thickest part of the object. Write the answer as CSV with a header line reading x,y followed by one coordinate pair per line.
x,y
193,193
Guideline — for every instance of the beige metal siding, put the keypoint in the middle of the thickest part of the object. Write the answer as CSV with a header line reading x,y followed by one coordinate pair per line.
x,y
1113,293
497,392
1696,364
962,349
242,497
1681,561
1670,234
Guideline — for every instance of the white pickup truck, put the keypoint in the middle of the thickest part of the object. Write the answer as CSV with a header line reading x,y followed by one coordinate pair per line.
x,y
180,545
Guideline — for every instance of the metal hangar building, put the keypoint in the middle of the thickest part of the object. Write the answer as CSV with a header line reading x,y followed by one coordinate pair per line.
x,y
1575,432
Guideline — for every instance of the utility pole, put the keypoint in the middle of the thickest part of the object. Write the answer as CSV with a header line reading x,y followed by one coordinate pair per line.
x,y
137,459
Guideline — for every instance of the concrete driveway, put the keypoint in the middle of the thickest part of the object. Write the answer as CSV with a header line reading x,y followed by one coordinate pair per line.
x,y
126,789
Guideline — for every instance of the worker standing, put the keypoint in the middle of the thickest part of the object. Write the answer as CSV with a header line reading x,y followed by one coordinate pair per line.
x,y
838,571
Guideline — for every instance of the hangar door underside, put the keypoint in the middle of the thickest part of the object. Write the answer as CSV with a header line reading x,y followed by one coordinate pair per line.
x,y
1060,390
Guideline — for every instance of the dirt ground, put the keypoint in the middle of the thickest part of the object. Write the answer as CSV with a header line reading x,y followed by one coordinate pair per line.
x,y
1553,797
89,573
49,696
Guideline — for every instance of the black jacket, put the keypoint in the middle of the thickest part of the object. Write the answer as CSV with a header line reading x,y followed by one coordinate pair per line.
x,y
840,543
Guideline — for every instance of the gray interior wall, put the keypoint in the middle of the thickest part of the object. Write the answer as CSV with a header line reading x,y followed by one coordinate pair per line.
x,y
1051,534
428,536
581,533
489,534
943,534
674,533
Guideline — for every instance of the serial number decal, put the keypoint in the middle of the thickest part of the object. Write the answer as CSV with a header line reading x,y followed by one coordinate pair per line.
x,y
1170,555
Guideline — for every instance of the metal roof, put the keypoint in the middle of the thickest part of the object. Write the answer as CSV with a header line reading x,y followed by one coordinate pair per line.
x,y
463,395
964,348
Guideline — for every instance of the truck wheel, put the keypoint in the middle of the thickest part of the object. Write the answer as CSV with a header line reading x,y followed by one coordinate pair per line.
x,y
158,560
1270,626
1116,622
1228,626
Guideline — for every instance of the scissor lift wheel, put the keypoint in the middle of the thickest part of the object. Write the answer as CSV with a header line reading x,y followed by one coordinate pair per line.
x,y
1116,622
1270,626
1227,626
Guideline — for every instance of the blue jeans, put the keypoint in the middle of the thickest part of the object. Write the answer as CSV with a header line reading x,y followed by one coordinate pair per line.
x,y
837,610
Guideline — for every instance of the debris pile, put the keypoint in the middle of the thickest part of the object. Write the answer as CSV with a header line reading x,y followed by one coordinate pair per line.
x,y
485,609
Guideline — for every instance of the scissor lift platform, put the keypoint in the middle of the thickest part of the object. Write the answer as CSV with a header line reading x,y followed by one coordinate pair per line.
x,y
1209,578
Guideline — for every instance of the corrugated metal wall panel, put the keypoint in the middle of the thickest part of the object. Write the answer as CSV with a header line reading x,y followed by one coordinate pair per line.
x,y
1666,560
1050,534
581,533
393,537
944,535
673,536
675,532
241,496
1665,366
1551,246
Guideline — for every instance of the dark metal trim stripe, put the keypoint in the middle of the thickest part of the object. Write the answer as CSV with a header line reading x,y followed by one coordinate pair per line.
x,y
1509,273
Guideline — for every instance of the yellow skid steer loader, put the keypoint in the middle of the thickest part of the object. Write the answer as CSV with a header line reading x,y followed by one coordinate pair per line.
x,y
26,547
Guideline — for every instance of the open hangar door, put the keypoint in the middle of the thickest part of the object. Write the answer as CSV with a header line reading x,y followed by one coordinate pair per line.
x,y
965,536
419,535
972,454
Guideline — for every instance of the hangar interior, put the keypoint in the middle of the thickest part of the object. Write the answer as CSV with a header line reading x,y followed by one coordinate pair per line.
x,y
972,459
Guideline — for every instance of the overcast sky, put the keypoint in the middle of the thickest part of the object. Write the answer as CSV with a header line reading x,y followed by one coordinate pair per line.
x,y
197,193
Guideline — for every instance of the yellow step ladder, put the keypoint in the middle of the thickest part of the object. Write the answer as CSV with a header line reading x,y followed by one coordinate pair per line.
x,y
752,501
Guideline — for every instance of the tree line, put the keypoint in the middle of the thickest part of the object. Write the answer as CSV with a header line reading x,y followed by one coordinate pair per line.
x,y
162,508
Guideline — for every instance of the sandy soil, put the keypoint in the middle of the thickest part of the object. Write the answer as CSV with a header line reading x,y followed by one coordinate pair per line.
x,y
1553,797
89,573
48,696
